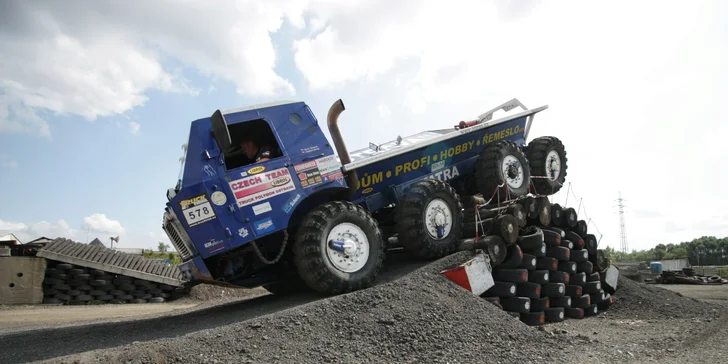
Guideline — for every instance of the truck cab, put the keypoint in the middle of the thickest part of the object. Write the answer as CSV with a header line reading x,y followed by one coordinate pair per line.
x,y
229,213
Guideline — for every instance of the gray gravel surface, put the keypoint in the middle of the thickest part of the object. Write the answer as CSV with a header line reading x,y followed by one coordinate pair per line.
x,y
647,301
220,306
421,317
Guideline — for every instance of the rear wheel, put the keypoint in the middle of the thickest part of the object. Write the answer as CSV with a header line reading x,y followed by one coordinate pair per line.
x,y
547,159
504,163
339,248
430,219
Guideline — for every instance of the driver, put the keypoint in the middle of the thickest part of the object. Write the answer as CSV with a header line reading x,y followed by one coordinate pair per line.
x,y
256,152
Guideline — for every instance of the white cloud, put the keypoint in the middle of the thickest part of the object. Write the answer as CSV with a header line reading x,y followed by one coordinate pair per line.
x,y
635,91
134,127
96,226
9,226
101,223
28,232
98,58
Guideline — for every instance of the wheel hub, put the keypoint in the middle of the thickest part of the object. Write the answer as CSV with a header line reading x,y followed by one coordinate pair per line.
x,y
438,219
347,248
512,171
553,165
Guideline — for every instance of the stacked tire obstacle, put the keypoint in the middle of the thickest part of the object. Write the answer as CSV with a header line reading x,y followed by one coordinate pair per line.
x,y
66,283
546,266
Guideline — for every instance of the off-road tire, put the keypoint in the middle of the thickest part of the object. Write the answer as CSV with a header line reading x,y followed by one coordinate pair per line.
x,y
539,276
410,217
564,301
496,248
530,238
533,318
590,243
309,249
513,258
507,227
578,279
537,153
539,304
501,289
530,207
528,289
517,212
544,211
489,173
582,228
554,314
517,275
557,215
576,239
528,262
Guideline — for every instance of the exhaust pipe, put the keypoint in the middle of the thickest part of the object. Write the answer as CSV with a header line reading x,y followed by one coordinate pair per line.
x,y
332,121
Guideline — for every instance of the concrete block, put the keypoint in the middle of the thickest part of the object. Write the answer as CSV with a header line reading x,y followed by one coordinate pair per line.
x,y
21,280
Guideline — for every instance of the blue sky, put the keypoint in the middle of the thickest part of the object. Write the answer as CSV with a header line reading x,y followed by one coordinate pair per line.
x,y
76,78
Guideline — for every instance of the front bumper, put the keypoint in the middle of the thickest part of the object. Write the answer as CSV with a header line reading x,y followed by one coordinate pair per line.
x,y
195,270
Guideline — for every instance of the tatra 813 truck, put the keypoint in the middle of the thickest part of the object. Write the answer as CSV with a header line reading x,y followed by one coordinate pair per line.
x,y
313,213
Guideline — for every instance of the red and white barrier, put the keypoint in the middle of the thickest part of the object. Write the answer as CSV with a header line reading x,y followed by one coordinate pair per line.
x,y
474,275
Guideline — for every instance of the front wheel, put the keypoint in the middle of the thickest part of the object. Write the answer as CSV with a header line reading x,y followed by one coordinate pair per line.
x,y
339,248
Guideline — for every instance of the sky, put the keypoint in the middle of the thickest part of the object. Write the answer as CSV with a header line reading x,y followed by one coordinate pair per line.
x,y
96,97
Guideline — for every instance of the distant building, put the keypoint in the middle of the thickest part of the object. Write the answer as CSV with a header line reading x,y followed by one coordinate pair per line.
x,y
133,251
9,239
40,242
97,242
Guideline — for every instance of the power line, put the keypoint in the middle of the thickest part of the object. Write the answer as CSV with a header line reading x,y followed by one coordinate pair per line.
x,y
622,226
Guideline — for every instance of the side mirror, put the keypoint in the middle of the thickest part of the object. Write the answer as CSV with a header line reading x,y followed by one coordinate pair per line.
x,y
220,131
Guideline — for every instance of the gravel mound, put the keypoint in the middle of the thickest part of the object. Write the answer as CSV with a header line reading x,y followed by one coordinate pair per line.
x,y
645,301
207,292
422,317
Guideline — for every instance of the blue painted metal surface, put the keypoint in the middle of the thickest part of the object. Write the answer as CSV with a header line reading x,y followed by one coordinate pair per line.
x,y
223,209
381,182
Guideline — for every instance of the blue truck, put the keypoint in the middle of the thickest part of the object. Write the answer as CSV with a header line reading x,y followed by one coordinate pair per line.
x,y
312,213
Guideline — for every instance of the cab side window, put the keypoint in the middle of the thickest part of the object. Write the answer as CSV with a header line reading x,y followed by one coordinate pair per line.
x,y
252,142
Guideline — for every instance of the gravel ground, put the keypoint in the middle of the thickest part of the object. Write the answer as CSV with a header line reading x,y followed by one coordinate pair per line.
x,y
423,317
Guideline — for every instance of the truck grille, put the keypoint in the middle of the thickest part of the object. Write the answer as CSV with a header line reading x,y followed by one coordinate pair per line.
x,y
177,235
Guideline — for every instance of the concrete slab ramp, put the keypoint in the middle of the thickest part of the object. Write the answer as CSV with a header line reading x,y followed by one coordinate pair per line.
x,y
112,261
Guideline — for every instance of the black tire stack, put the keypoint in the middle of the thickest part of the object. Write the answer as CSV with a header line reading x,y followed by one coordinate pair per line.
x,y
551,272
76,285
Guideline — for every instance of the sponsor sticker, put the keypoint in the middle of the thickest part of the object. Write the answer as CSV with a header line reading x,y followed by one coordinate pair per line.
x,y
262,208
291,203
214,245
256,170
320,170
197,210
262,186
264,226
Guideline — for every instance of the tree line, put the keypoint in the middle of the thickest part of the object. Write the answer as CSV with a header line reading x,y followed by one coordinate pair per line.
x,y
706,250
